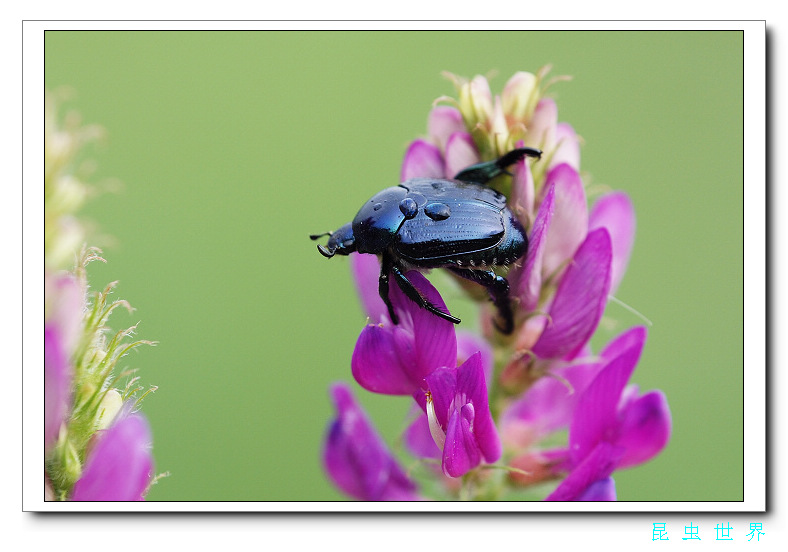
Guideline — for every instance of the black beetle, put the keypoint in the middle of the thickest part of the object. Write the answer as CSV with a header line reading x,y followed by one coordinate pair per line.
x,y
424,223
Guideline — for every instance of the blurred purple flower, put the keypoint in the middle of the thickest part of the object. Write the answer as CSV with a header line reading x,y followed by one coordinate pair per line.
x,y
57,385
356,458
120,466
459,416
548,405
64,305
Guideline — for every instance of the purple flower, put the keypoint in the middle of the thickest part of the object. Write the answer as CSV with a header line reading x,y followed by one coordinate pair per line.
x,y
120,465
450,150
356,458
65,301
459,417
417,437
57,385
613,426
395,359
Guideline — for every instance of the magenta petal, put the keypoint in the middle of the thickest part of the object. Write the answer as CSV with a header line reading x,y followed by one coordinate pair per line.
x,y
569,224
528,284
579,300
434,339
460,153
357,459
422,160
471,384
596,466
120,466
603,490
57,385
460,453
633,337
366,270
442,122
394,359
596,412
615,212
567,147
376,364
645,428
459,398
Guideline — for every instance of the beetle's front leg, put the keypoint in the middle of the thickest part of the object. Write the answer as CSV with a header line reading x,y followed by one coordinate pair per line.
x,y
413,294
482,173
383,285
498,288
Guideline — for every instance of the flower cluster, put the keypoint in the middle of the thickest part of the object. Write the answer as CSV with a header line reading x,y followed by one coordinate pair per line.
x,y
96,443
507,401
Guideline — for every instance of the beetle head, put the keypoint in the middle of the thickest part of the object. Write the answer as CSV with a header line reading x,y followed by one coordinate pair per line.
x,y
340,242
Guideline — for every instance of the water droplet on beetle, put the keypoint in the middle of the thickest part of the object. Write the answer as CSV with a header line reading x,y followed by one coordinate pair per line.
x,y
437,211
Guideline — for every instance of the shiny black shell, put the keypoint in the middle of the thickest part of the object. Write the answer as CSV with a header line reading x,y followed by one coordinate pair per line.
x,y
433,223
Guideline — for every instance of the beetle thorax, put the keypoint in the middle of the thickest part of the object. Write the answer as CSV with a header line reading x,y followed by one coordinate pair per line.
x,y
377,222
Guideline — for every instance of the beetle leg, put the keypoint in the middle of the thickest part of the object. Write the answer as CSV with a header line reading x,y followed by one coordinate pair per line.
x,y
498,288
413,294
383,286
484,172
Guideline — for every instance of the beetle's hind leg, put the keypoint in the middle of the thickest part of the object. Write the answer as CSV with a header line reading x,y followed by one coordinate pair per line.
x,y
413,294
498,288
482,173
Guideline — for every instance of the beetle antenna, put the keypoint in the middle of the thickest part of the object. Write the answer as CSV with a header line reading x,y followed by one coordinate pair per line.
x,y
318,236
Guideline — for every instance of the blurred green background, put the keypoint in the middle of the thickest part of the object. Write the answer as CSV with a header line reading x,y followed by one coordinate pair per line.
x,y
233,147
